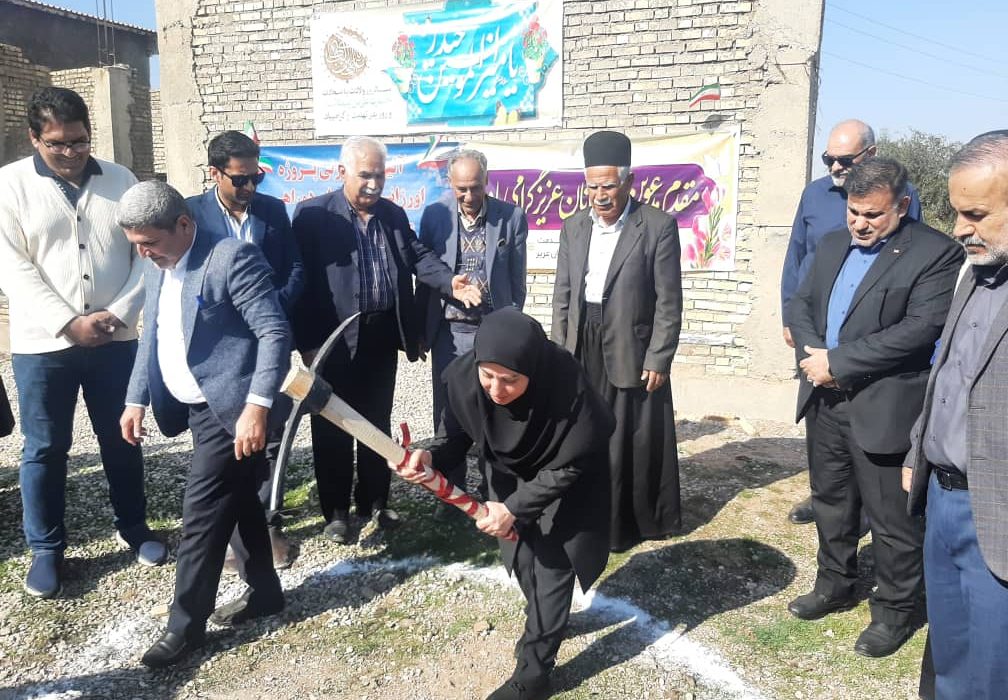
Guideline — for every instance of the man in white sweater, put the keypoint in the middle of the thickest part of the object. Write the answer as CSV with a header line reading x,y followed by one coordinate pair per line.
x,y
73,282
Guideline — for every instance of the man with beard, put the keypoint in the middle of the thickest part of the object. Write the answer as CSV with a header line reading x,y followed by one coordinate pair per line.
x,y
617,306
958,461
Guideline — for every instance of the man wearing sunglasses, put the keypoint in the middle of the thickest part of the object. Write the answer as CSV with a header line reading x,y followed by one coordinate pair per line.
x,y
73,282
233,206
822,209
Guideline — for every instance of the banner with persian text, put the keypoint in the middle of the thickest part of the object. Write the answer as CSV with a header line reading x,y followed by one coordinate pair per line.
x,y
415,174
446,66
693,177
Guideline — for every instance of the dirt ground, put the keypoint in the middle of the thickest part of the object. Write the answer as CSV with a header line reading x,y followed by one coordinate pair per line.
x,y
427,612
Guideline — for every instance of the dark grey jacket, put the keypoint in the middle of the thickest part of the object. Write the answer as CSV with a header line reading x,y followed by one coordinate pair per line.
x,y
987,437
642,298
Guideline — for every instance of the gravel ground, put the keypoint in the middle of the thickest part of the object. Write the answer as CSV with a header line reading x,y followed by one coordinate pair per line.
x,y
427,612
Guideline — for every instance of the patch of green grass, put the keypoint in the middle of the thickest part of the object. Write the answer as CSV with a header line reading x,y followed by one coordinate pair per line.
x,y
455,539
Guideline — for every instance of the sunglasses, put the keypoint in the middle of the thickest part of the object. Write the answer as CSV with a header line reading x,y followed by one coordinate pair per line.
x,y
242,180
64,147
844,161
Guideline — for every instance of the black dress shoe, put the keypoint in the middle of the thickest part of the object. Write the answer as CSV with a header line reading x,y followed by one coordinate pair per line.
x,y
338,529
812,606
523,689
244,609
170,649
882,639
801,514
387,519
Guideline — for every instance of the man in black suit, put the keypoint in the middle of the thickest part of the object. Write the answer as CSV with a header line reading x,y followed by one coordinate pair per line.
x,y
617,306
864,323
360,254
234,206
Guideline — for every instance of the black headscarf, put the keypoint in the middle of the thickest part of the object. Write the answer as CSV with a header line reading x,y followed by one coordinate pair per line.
x,y
558,419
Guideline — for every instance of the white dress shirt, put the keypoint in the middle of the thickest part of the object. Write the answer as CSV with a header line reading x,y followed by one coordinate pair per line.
x,y
171,345
240,228
600,251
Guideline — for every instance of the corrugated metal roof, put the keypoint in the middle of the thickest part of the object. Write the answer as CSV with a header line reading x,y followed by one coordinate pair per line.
x,y
46,7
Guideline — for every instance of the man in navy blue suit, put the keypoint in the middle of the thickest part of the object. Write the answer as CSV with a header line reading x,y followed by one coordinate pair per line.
x,y
214,350
234,206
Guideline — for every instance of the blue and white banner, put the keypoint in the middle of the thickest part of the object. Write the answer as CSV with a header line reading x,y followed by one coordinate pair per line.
x,y
456,65
415,174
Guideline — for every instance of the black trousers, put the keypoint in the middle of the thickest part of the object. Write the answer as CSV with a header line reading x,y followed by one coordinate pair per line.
x,y
367,383
264,471
219,495
844,477
453,340
643,456
546,579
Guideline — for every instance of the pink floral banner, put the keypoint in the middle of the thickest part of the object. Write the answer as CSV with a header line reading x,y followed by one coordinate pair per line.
x,y
694,178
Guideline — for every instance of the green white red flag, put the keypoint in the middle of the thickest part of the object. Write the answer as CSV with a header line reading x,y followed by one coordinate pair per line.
x,y
707,92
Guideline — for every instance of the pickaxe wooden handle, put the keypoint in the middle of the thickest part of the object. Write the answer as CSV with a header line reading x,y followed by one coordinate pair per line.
x,y
316,396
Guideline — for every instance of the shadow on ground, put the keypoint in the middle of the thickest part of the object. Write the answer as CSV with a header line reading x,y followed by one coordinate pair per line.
x,y
711,479
699,580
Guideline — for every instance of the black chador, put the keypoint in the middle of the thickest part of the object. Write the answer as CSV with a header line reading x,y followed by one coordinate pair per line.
x,y
546,455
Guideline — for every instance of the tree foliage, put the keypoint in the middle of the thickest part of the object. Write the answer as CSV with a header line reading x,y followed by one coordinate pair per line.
x,y
926,157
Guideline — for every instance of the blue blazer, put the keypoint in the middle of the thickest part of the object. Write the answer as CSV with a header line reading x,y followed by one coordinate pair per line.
x,y
506,233
236,334
327,238
271,231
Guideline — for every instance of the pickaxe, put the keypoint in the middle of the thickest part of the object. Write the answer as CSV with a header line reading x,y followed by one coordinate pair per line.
x,y
313,394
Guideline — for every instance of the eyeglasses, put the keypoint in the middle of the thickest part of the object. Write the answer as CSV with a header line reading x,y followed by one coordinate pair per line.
x,y
844,161
61,147
242,180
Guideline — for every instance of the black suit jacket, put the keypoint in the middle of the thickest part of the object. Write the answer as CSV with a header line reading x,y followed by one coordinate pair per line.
x,y
642,298
327,238
271,231
888,336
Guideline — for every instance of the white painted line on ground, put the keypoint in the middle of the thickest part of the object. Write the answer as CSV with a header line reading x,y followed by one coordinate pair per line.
x,y
116,645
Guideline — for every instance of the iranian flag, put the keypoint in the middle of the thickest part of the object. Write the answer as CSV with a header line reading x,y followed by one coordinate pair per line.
x,y
250,131
707,92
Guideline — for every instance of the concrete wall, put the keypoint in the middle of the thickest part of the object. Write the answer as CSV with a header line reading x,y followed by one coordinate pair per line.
x,y
630,65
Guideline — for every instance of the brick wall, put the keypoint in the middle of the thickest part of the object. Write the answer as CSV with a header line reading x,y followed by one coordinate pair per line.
x,y
19,78
81,81
629,64
157,134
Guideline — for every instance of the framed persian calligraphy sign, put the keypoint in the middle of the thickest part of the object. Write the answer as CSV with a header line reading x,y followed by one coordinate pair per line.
x,y
438,67
693,177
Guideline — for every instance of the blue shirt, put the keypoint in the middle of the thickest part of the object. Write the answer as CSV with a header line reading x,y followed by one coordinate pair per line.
x,y
855,266
822,208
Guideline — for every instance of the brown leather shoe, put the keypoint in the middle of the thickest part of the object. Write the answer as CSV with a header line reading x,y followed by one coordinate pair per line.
x,y
283,553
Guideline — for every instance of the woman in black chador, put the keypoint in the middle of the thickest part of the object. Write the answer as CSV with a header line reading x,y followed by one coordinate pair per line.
x,y
544,434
